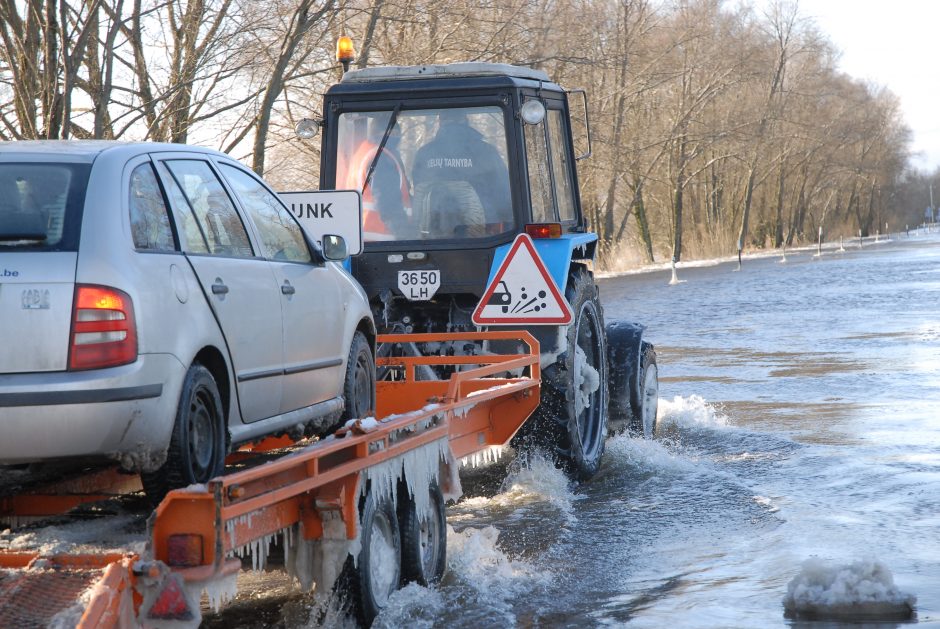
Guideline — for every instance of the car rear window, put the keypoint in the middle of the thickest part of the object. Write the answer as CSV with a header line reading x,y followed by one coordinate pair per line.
x,y
41,205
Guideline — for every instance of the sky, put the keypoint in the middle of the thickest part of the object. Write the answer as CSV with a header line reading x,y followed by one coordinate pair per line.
x,y
894,44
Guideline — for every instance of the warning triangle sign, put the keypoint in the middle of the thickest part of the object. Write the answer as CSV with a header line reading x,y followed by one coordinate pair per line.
x,y
522,291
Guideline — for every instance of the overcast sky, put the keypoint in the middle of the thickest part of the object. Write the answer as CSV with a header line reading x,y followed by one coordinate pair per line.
x,y
896,44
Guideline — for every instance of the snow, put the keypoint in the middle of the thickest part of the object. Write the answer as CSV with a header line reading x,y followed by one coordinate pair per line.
x,y
546,357
119,533
491,389
863,589
586,380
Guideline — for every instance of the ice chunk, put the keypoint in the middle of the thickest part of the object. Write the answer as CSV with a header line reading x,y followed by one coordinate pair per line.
x,y
586,380
862,590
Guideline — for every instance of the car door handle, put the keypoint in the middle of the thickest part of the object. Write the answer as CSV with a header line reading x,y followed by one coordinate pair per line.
x,y
287,289
219,288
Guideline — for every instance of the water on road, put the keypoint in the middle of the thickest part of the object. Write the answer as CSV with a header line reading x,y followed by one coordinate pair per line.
x,y
800,418
799,421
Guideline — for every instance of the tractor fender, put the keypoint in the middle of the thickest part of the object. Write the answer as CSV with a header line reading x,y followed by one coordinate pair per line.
x,y
556,253
624,352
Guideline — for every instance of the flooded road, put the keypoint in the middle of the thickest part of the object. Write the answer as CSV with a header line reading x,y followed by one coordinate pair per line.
x,y
800,418
799,421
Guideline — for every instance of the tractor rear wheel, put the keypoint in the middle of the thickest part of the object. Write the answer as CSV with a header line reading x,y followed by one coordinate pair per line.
x,y
572,416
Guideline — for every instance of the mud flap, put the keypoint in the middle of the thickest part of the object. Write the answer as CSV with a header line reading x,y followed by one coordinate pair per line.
x,y
624,340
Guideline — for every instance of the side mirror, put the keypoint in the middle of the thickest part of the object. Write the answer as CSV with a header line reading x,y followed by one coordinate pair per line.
x,y
334,247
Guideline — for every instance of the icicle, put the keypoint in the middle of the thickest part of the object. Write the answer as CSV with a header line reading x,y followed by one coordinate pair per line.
x,y
486,456
218,591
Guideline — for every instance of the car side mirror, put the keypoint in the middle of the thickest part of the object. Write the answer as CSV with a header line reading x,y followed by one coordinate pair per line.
x,y
334,247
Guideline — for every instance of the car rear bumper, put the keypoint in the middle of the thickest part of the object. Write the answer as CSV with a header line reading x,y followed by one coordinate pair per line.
x,y
125,413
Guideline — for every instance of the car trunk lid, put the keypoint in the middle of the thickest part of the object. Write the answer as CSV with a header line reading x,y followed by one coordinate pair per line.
x,y
36,291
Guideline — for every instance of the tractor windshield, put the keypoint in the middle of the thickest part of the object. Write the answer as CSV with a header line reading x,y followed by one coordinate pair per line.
x,y
441,174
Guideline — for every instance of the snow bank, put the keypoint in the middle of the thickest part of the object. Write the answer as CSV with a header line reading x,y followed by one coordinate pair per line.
x,y
862,590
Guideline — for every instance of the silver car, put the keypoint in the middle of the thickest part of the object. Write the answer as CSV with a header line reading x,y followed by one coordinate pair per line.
x,y
159,306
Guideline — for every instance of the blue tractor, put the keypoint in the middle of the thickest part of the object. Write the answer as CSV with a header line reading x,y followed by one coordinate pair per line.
x,y
454,162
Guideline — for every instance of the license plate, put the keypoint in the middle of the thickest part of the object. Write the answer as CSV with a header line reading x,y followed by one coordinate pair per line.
x,y
419,285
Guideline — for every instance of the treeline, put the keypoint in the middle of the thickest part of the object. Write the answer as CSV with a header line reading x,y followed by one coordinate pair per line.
x,y
716,126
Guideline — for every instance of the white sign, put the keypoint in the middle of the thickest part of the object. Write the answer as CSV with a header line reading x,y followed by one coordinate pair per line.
x,y
419,285
522,291
329,212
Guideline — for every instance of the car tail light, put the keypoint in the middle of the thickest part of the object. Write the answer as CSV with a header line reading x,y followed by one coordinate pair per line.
x,y
104,333
543,230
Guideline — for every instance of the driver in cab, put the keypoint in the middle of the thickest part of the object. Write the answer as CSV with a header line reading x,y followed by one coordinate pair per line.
x,y
461,182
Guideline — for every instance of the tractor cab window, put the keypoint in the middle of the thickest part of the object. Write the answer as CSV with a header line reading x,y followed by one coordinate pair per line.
x,y
561,165
440,174
550,187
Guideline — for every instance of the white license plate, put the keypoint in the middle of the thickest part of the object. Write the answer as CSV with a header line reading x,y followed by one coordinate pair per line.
x,y
419,285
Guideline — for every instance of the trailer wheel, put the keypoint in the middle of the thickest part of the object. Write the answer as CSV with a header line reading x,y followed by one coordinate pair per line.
x,y
377,572
197,446
646,404
359,385
423,538
572,415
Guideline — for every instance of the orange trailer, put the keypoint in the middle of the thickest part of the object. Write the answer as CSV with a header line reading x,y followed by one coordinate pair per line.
x,y
373,490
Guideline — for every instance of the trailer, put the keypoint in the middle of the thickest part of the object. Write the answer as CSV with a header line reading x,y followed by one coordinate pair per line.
x,y
362,509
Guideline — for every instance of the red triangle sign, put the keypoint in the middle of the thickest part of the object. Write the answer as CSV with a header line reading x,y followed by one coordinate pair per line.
x,y
522,291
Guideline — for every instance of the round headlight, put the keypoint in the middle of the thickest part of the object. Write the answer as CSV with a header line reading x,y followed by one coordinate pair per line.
x,y
307,128
533,112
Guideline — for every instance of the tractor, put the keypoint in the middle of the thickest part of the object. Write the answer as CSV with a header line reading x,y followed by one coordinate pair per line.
x,y
454,162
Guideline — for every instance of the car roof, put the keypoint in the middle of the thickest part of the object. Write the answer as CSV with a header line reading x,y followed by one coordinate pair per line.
x,y
88,150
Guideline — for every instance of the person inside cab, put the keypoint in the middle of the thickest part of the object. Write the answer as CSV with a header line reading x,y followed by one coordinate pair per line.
x,y
461,182
386,197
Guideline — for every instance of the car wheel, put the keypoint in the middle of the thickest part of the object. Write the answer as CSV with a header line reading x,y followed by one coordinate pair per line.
x,y
197,446
359,386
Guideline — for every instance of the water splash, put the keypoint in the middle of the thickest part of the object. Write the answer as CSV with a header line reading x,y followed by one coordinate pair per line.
x,y
474,558
412,606
648,456
533,478
690,412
